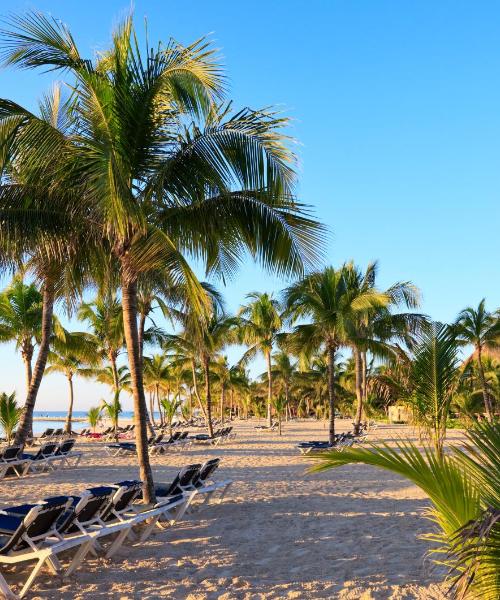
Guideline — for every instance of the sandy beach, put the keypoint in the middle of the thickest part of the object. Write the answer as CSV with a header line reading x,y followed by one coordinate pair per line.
x,y
350,533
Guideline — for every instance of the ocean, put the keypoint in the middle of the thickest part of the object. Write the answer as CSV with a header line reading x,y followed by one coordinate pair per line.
x,y
60,416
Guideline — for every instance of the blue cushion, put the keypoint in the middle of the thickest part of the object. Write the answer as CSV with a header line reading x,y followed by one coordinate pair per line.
x,y
9,523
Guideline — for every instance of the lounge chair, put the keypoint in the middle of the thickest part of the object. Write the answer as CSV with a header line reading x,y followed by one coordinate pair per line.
x,y
64,454
204,484
196,479
34,536
39,462
11,461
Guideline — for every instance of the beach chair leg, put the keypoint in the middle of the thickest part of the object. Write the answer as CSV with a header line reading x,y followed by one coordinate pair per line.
x,y
224,492
33,575
148,529
5,589
117,542
79,557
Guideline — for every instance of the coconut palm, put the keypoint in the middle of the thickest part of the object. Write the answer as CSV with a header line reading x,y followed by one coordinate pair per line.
x,y
21,320
464,489
71,353
211,339
94,416
10,414
279,405
167,169
480,329
113,410
259,324
41,218
434,379
170,408
332,300
377,328
283,371
158,378
105,318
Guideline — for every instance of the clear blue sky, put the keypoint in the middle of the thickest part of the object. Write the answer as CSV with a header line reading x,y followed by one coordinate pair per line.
x,y
397,109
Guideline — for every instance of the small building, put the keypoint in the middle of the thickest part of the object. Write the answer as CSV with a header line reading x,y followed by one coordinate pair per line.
x,y
399,414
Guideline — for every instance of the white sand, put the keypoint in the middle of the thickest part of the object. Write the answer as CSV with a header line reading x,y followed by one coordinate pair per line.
x,y
350,533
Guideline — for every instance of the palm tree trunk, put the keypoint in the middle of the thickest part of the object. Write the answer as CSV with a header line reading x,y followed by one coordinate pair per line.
x,y
190,401
287,398
196,393
364,375
151,406
486,396
269,389
331,391
25,428
27,354
206,368
129,307
222,402
69,425
359,389
114,370
158,404
142,327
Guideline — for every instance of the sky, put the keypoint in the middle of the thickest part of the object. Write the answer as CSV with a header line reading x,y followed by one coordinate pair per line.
x,y
396,109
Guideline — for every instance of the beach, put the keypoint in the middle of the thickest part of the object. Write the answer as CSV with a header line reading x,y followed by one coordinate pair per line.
x,y
350,533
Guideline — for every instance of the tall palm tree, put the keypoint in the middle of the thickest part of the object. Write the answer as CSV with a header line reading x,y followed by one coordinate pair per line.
x,y
481,329
167,169
71,353
259,323
283,371
377,328
21,320
211,340
105,318
41,218
158,378
332,300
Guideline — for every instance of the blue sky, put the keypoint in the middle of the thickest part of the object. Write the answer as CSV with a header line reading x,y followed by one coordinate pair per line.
x,y
397,110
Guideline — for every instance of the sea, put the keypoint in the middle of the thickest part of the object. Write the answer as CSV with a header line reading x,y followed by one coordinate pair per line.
x,y
55,419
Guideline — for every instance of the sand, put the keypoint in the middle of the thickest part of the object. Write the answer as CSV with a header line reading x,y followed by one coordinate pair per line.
x,y
350,533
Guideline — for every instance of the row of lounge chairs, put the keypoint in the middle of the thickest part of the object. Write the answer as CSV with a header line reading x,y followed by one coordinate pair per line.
x,y
220,436
14,462
342,441
42,531
157,444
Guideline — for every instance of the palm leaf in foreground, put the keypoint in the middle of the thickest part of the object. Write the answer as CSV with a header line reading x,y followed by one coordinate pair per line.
x,y
463,487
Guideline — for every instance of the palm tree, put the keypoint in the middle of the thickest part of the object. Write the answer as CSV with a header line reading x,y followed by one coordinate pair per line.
x,y
146,172
105,318
260,323
10,414
434,378
279,405
464,488
170,407
481,329
376,328
21,319
283,371
332,300
71,352
211,339
41,218
113,410
157,377
93,416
